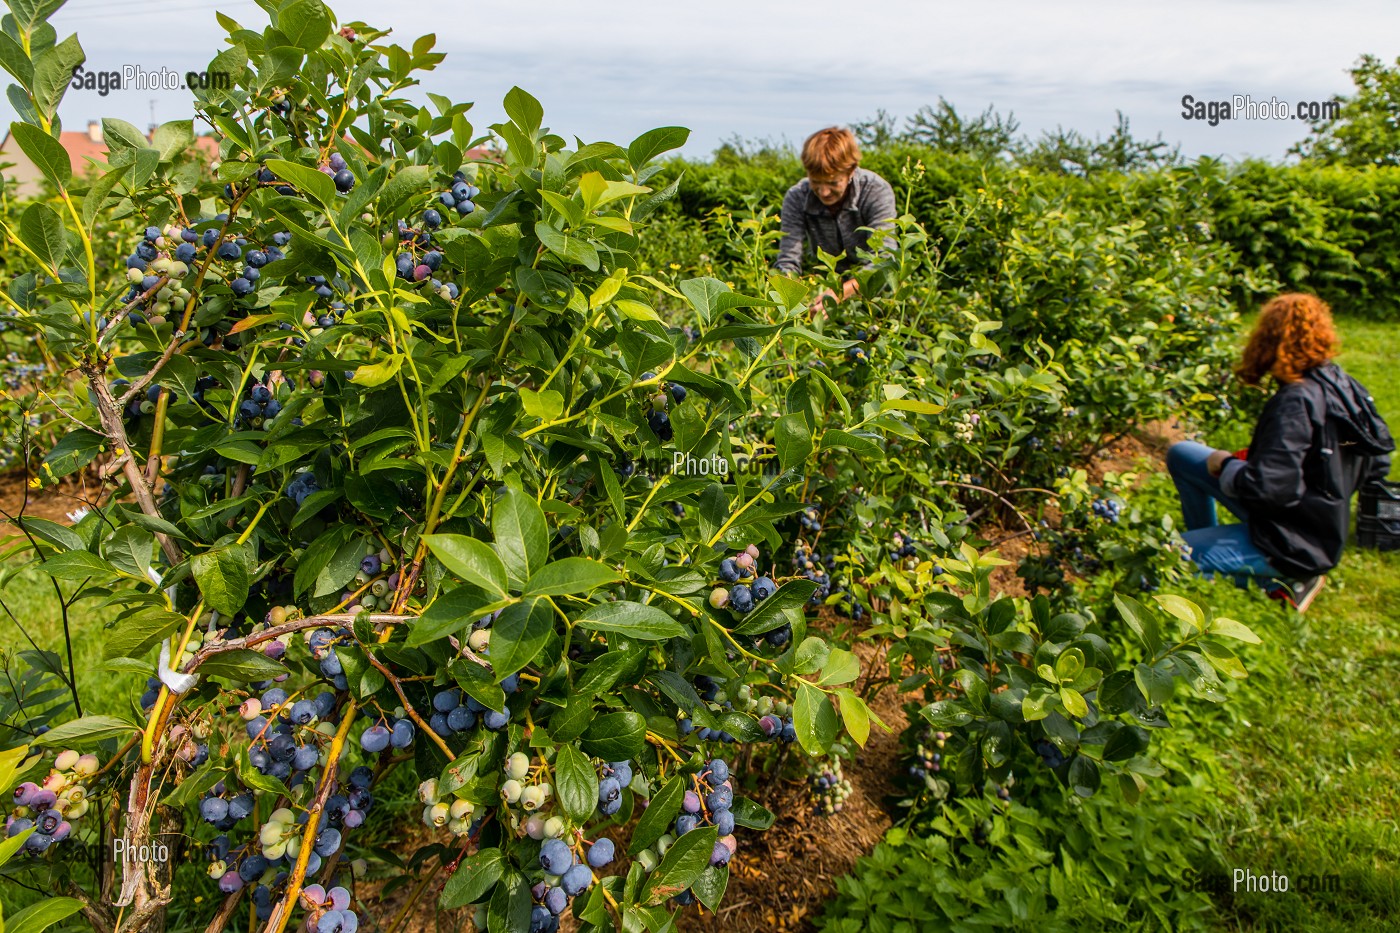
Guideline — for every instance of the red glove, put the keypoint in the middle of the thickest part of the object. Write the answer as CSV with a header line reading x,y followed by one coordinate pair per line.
x,y
1241,454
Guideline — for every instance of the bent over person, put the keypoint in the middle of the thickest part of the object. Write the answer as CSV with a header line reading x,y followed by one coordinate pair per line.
x,y
828,208
1318,440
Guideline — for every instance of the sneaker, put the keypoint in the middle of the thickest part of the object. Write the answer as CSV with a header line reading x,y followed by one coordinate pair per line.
x,y
1299,593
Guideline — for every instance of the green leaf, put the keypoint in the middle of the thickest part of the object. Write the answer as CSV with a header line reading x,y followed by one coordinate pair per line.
x,y
11,762
476,682
1141,621
783,607
634,620
685,861
119,135
616,736
709,887
523,110
241,664
473,879
703,293
377,373
77,566
42,230
47,154
652,143
855,714
406,183
752,815
14,60
576,782
75,450
449,614
522,538
656,818
1183,609
173,138
814,719
309,181
1084,776
569,246
1229,628
61,537
1156,684
841,667
53,73
546,405
222,576
41,915
793,440
129,550
471,560
134,636
307,23
86,732
1074,702
570,575
518,636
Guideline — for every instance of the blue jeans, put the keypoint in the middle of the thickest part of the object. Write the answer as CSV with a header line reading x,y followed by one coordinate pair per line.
x,y
1215,548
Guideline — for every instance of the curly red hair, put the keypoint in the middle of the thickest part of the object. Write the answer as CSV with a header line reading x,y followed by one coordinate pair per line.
x,y
1294,334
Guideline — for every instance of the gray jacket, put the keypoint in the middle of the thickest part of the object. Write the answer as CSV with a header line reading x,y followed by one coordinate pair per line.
x,y
807,224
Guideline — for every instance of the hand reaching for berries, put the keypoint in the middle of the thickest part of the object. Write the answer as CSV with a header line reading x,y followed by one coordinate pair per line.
x,y
848,288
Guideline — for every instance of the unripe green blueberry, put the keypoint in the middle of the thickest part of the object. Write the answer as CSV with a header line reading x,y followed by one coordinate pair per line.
x,y
554,827
664,843
518,765
134,275
428,792
719,597
462,809
479,640
658,401
648,860
66,760
513,791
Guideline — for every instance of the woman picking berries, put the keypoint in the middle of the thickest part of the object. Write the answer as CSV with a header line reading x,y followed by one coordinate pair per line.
x,y
1318,440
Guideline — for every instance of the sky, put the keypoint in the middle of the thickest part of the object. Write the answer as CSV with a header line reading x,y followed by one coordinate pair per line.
x,y
778,70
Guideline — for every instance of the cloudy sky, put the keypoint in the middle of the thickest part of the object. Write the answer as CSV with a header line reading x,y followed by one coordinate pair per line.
x,y
779,69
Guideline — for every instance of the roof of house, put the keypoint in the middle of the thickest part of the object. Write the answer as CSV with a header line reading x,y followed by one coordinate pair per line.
x,y
81,147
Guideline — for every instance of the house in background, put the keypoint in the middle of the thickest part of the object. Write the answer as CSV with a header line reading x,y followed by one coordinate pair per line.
x,y
27,180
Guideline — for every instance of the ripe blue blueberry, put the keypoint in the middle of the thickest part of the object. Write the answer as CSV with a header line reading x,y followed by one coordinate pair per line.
x,y
763,587
721,798
185,252
305,758
555,857
303,711
375,739
344,181
608,790
741,598
402,734
686,822
461,719
724,820
240,286
556,901
212,809
431,218
576,880
257,258
728,571
496,721
601,853
447,700
719,771
229,251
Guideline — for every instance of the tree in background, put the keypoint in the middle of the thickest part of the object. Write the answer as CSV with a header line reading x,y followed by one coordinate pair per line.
x,y
1367,131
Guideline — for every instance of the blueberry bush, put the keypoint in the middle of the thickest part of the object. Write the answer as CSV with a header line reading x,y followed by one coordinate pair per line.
x,y
389,433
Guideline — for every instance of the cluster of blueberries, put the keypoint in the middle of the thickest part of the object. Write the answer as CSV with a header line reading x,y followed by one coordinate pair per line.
x,y
458,197
659,405
421,269
747,589
454,711
17,372
1110,510
274,727
566,877
49,808
903,546
223,811
1050,753
257,411
928,758
710,803
829,786
301,486
771,719
266,859
807,563
322,643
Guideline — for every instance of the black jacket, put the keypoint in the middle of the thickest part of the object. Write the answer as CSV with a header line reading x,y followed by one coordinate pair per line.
x,y
1318,440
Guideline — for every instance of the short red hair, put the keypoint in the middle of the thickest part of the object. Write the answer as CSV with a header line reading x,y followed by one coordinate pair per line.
x,y
831,152
1294,334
